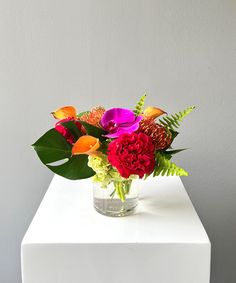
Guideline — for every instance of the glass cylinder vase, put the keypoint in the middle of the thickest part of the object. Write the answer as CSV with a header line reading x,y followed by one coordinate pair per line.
x,y
119,198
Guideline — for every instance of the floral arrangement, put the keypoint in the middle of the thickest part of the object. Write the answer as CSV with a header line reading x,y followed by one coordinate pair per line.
x,y
112,145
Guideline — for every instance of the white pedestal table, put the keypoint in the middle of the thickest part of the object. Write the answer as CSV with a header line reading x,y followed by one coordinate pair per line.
x,y
69,242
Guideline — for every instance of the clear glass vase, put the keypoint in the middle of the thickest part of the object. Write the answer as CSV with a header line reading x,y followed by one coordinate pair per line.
x,y
118,199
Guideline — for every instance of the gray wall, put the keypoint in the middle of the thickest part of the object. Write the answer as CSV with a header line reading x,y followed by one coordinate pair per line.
x,y
86,53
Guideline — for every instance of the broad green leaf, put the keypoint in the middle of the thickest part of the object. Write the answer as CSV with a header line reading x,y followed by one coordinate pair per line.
x,y
73,129
52,146
92,130
75,168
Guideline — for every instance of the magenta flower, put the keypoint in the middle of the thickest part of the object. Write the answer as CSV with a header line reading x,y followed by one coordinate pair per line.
x,y
117,121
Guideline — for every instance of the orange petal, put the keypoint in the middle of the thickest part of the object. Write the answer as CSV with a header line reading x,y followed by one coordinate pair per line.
x,y
65,112
153,112
86,145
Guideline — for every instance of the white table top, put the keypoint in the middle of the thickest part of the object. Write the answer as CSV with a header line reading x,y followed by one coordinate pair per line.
x,y
165,215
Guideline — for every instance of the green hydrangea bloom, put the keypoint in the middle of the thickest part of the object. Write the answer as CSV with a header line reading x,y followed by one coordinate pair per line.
x,y
105,173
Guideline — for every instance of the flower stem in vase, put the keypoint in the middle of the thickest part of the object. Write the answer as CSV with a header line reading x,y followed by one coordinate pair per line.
x,y
120,190
127,186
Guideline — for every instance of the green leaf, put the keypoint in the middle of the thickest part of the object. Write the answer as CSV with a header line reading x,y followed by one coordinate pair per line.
x,y
173,133
120,190
93,130
73,129
82,113
52,146
165,167
75,168
165,154
174,151
139,106
171,122
103,148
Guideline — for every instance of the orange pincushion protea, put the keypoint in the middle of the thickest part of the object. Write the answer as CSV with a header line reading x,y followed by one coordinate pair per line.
x,y
161,138
94,116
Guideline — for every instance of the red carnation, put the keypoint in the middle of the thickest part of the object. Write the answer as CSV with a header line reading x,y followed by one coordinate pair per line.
x,y
132,153
65,132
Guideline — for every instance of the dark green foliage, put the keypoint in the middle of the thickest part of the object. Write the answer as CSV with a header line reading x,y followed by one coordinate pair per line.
x,y
75,168
174,151
52,146
93,130
73,129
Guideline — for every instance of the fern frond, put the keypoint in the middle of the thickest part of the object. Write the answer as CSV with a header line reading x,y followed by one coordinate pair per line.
x,y
166,167
172,121
139,106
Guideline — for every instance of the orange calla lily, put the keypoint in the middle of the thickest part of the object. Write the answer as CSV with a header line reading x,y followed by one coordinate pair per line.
x,y
65,112
153,112
86,145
